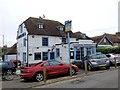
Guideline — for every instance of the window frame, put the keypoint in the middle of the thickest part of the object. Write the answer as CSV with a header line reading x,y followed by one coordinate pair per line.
x,y
40,26
24,42
24,57
64,40
45,43
44,56
35,57
57,52
52,58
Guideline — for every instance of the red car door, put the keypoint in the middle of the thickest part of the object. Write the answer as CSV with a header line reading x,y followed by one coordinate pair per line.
x,y
58,68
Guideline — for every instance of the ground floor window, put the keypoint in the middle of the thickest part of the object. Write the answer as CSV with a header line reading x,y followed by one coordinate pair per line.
x,y
52,55
82,53
71,54
44,56
57,52
37,56
24,56
78,55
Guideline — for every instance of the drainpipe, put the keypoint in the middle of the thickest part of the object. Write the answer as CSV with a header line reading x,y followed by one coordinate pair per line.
x,y
27,50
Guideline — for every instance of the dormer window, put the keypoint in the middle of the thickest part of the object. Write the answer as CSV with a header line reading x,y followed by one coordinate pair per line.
x,y
83,35
61,28
40,26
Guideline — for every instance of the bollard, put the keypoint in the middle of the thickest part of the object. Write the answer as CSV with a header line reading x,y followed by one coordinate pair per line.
x,y
115,63
85,64
70,69
44,73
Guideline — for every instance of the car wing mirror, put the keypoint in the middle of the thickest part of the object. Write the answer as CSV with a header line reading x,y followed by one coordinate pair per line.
x,y
60,64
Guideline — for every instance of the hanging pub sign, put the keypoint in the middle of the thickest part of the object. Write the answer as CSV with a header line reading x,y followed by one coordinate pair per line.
x,y
68,25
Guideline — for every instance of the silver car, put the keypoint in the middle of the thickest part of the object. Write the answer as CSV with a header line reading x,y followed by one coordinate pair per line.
x,y
97,61
114,57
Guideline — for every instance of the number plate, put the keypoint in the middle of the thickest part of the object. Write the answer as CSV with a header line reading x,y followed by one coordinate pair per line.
x,y
102,65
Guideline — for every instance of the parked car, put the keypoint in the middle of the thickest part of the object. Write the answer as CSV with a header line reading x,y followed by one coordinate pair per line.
x,y
114,57
7,66
53,68
96,61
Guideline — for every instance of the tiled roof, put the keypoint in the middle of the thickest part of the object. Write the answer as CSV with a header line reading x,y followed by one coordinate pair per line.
x,y
12,50
112,37
79,35
50,27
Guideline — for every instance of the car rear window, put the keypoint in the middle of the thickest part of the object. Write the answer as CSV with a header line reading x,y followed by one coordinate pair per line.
x,y
3,64
98,56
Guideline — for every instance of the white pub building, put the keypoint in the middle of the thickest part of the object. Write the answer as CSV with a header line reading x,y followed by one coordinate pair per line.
x,y
41,39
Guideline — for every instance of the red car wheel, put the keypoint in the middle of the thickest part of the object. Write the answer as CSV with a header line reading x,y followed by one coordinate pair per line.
x,y
39,77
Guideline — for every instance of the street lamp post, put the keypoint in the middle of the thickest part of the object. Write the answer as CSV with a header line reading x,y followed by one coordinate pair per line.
x,y
27,50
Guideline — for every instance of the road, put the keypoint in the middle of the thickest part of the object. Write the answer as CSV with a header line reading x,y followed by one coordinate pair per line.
x,y
108,79
20,83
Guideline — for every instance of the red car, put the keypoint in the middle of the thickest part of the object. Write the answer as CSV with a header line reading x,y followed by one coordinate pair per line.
x,y
53,67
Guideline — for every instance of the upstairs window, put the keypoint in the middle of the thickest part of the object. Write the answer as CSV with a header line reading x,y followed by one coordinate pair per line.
x,y
104,40
83,35
61,28
40,26
64,40
44,41
21,28
24,42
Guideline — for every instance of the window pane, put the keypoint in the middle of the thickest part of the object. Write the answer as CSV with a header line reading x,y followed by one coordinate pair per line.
x,y
82,53
45,56
46,64
37,56
44,41
24,42
77,55
57,52
52,55
40,26
54,63
71,54
24,56
63,40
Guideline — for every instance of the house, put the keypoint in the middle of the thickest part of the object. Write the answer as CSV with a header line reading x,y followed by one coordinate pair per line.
x,y
41,39
107,40
11,53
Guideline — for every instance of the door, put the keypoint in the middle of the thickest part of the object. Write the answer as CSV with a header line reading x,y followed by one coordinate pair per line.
x,y
56,68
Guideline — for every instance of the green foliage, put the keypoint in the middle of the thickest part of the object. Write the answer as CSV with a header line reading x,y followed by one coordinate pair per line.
x,y
115,50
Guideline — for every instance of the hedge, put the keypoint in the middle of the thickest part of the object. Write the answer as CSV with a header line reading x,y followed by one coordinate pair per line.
x,y
115,50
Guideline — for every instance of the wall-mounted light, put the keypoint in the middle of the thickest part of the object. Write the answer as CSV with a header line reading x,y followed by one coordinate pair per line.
x,y
33,36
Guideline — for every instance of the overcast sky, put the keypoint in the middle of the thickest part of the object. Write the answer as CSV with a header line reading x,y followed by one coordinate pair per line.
x,y
93,17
